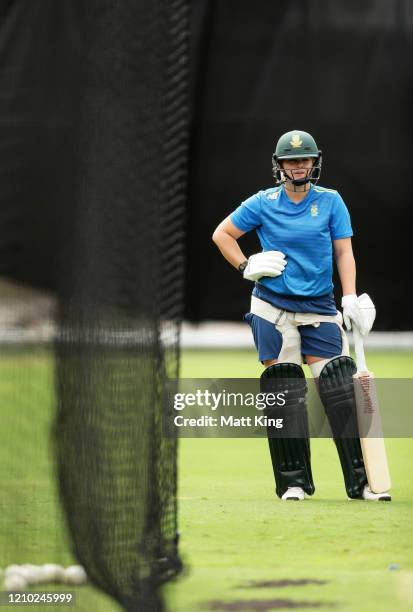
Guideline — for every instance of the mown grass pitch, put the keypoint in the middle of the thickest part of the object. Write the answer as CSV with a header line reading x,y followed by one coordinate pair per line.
x,y
235,532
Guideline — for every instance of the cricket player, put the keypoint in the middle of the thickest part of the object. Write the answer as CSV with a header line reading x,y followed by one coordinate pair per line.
x,y
293,315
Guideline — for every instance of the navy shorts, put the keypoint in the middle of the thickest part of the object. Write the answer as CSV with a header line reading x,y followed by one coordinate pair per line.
x,y
322,341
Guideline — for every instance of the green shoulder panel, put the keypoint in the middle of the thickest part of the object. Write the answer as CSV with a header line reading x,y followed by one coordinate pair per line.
x,y
319,189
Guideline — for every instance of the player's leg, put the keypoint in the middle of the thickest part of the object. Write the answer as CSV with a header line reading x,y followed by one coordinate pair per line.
x,y
289,446
290,456
337,394
323,347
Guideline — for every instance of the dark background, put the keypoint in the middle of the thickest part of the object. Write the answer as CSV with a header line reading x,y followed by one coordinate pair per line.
x,y
339,70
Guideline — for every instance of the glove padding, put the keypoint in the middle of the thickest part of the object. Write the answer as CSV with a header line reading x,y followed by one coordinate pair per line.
x,y
269,263
359,311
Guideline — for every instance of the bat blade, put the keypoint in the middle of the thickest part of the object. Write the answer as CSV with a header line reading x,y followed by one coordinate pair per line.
x,y
371,432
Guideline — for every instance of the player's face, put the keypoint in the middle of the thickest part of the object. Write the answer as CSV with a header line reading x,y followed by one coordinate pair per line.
x,y
297,169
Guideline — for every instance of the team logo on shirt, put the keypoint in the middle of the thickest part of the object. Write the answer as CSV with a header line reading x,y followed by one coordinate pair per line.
x,y
314,210
296,141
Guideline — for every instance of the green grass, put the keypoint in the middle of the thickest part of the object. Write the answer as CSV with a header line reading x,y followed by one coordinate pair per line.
x,y
31,524
244,363
234,529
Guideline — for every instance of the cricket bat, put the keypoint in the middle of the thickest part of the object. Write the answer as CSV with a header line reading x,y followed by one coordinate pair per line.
x,y
369,421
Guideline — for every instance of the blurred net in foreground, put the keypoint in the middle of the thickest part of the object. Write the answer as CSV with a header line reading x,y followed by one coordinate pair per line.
x,y
121,297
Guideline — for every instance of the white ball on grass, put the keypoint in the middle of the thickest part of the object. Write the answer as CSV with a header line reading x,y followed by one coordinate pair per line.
x,y
21,570
11,569
52,572
33,574
14,582
75,574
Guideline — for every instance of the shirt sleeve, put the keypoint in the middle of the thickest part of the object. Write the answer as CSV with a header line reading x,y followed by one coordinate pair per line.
x,y
248,215
340,223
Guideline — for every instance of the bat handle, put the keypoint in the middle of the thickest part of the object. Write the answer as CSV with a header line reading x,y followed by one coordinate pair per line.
x,y
359,350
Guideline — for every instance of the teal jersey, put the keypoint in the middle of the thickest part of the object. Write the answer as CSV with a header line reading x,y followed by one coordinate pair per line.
x,y
303,232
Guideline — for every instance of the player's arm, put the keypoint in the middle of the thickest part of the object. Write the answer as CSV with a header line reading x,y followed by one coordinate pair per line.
x,y
268,263
346,265
359,310
225,237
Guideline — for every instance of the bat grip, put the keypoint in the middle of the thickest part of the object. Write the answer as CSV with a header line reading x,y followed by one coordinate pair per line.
x,y
359,350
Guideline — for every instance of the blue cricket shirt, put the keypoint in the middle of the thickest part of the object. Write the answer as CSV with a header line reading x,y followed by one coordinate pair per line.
x,y
304,233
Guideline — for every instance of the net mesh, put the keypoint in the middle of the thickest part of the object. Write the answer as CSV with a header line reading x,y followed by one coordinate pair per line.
x,y
120,299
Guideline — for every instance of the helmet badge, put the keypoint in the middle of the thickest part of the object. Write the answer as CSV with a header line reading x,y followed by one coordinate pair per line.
x,y
296,141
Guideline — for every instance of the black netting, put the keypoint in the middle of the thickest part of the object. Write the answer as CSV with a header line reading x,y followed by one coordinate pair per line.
x,y
120,298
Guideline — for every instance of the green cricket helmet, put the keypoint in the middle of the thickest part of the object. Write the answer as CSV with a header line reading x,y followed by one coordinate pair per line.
x,y
293,145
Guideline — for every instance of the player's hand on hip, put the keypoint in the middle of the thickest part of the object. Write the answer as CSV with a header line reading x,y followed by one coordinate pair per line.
x,y
359,311
269,263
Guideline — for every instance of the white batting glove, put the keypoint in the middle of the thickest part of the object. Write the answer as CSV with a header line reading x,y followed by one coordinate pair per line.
x,y
269,263
360,311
